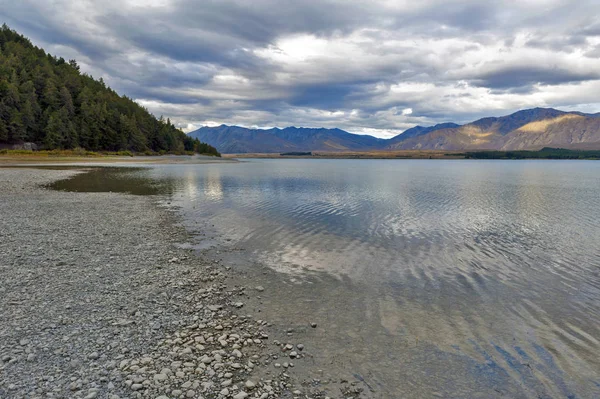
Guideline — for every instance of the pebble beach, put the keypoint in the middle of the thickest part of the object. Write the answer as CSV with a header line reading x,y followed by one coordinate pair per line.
x,y
99,302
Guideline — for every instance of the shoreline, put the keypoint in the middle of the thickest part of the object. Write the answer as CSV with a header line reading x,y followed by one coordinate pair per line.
x,y
404,154
25,160
101,302
482,154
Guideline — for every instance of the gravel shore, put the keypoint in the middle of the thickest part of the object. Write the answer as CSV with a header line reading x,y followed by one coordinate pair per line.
x,y
98,302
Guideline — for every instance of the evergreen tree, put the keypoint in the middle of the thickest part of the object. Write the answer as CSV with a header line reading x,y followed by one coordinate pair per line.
x,y
54,131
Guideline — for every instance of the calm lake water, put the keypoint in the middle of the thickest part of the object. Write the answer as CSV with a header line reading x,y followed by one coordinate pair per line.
x,y
460,279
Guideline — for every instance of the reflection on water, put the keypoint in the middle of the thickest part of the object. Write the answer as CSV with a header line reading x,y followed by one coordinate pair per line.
x,y
434,278
213,189
129,180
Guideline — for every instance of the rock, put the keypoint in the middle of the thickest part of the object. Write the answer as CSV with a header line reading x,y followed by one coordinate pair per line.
x,y
300,347
190,394
146,360
224,392
206,359
238,304
136,387
313,325
250,385
24,342
260,288
93,356
25,146
160,377
240,395
293,354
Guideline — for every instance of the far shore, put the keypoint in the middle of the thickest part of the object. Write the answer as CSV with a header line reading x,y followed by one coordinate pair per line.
x,y
481,154
404,154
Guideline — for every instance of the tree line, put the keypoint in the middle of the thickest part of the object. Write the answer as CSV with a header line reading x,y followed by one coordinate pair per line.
x,y
48,101
544,153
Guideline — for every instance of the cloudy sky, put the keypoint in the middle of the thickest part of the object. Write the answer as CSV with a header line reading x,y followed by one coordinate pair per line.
x,y
375,67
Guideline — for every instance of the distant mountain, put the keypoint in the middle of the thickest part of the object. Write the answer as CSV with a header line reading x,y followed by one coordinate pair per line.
x,y
527,129
235,139
417,131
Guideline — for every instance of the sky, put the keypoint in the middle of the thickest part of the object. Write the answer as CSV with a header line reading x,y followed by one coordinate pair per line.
x,y
368,67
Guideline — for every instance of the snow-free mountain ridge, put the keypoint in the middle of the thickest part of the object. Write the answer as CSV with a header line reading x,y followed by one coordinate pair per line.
x,y
527,129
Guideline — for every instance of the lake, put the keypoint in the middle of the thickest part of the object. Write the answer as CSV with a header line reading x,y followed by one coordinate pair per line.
x,y
430,278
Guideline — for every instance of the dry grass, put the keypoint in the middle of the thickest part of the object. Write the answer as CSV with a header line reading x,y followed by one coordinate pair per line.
x,y
78,152
541,126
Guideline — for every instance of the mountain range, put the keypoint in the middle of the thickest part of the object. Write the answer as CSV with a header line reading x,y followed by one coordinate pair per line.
x,y
529,129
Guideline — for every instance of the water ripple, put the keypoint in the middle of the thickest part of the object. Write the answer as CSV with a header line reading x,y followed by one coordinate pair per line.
x,y
495,263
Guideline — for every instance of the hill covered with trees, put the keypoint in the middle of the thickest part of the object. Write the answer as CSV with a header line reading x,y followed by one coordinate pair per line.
x,y
48,101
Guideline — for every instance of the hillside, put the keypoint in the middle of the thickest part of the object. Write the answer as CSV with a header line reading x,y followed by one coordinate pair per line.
x,y
417,131
47,101
530,129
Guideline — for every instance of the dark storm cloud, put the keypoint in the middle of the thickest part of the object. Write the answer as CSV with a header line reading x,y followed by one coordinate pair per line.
x,y
519,77
41,27
366,66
